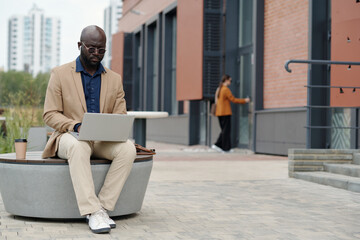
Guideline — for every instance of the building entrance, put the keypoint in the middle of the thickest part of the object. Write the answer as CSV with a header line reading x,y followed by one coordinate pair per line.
x,y
239,64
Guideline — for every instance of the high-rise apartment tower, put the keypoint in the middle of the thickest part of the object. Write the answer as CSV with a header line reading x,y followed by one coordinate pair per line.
x,y
111,18
33,42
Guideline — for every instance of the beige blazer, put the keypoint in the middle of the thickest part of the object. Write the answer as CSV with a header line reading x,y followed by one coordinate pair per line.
x,y
65,101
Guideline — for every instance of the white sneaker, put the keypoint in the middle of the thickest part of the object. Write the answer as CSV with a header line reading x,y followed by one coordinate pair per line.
x,y
108,219
98,223
111,222
216,148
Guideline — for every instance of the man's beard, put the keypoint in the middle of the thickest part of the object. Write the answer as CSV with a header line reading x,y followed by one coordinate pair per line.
x,y
88,62
92,64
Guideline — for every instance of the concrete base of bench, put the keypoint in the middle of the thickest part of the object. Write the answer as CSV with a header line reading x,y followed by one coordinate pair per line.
x,y
46,191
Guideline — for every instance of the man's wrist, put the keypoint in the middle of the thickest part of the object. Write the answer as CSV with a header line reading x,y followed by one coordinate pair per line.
x,y
76,127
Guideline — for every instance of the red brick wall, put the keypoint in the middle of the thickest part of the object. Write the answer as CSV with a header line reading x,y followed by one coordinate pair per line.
x,y
189,58
345,46
147,9
285,37
129,22
117,53
129,4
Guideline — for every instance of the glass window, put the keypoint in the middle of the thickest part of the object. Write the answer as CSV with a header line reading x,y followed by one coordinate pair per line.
x,y
170,103
152,76
242,82
245,22
137,89
174,102
340,137
244,91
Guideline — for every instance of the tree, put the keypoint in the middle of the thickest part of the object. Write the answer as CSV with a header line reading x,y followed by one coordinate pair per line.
x,y
12,83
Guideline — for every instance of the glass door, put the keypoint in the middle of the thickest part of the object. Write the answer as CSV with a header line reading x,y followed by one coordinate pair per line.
x,y
242,118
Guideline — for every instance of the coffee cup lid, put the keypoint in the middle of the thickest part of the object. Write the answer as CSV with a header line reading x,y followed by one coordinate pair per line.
x,y
21,140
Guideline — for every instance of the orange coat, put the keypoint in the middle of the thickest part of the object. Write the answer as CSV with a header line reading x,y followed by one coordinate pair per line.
x,y
223,107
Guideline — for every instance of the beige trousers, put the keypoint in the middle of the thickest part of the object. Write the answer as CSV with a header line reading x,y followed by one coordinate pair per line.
x,y
78,154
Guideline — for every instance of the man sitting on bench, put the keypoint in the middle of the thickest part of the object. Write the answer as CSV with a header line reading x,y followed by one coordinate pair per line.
x,y
84,85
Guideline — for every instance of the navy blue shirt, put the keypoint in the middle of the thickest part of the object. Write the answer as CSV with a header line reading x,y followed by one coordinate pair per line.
x,y
91,85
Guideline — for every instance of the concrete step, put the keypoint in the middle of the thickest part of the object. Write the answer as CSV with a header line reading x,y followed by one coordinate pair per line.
x,y
344,169
322,151
338,157
312,165
330,179
356,159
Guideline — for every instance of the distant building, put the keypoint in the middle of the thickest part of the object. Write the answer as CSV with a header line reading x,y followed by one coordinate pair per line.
x,y
112,14
172,54
33,42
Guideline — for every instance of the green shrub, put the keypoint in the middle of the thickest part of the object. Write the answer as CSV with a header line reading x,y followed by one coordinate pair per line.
x,y
22,97
13,82
17,125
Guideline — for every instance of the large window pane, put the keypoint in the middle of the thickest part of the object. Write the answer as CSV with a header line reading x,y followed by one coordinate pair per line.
x,y
174,103
137,87
245,23
244,91
170,103
340,137
152,82
243,125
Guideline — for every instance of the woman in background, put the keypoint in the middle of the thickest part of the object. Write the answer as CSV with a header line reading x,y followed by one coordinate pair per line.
x,y
223,98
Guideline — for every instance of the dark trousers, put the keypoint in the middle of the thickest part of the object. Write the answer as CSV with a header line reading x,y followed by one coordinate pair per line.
x,y
223,140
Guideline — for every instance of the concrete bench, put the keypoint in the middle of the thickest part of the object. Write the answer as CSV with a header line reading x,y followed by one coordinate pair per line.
x,y
42,188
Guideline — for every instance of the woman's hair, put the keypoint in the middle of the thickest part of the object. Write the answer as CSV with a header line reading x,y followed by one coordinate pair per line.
x,y
223,79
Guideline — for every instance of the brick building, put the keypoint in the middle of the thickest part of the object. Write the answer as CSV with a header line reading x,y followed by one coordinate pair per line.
x,y
172,54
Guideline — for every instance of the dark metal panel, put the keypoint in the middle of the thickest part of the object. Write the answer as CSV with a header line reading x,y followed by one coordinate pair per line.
x,y
128,69
159,54
319,48
357,132
231,41
152,50
279,130
168,66
138,69
194,122
149,66
258,69
139,132
232,60
213,46
354,123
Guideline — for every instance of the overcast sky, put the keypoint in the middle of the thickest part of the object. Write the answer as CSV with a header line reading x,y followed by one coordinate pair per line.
x,y
74,15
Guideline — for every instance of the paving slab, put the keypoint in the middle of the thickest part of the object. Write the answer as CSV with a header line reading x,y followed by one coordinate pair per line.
x,y
196,193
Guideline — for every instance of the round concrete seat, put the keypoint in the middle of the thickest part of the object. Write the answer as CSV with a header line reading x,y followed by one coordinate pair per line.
x,y
42,188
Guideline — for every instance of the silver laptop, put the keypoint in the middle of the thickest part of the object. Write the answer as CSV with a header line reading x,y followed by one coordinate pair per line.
x,y
105,127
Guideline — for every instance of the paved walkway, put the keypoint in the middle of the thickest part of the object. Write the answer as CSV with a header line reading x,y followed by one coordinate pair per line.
x,y
196,193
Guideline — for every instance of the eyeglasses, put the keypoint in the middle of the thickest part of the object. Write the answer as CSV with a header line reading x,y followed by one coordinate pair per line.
x,y
93,50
